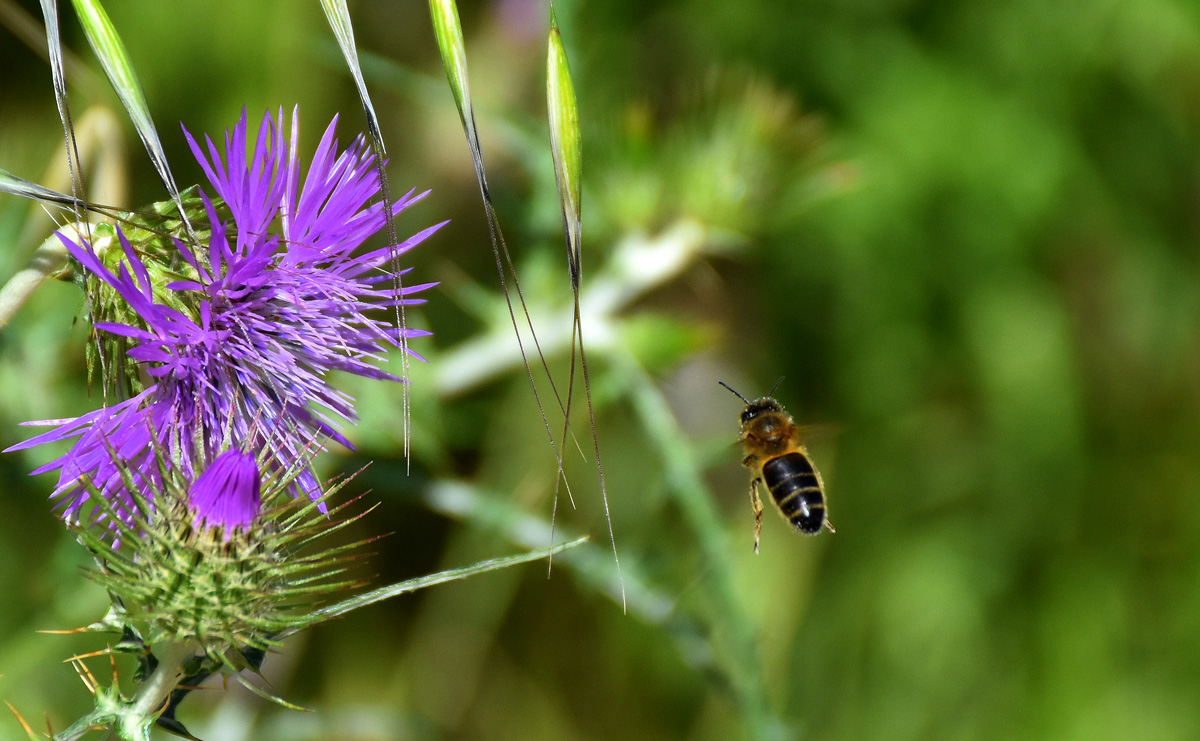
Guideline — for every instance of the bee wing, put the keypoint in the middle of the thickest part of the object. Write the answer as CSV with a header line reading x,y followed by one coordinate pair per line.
x,y
820,431
824,436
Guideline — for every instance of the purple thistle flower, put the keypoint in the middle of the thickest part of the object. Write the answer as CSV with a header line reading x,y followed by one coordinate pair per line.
x,y
271,316
228,493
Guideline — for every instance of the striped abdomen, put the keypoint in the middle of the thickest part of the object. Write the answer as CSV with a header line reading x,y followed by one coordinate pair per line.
x,y
796,488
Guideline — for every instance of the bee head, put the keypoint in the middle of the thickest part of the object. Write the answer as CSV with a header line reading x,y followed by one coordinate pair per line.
x,y
758,407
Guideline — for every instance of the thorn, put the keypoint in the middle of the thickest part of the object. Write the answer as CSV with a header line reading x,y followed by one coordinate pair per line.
x,y
21,720
91,655
71,632
85,675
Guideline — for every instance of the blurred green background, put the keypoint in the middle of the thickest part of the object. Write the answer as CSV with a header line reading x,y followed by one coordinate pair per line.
x,y
965,232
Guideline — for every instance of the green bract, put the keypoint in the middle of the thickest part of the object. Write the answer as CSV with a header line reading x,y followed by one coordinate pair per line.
x,y
228,592
151,233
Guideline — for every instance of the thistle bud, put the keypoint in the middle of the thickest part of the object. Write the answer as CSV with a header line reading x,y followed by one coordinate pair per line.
x,y
228,494
226,560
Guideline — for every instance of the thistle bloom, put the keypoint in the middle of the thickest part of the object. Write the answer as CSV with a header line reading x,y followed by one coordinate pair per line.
x,y
266,317
228,494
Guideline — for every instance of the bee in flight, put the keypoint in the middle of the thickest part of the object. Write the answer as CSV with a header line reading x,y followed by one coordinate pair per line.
x,y
778,460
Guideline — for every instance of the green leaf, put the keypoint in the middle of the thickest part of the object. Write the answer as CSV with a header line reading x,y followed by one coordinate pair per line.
x,y
565,144
448,31
339,20
16,186
107,45
567,152
404,587
54,49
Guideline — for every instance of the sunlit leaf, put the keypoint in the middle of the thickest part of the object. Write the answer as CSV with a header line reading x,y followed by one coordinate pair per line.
x,y
448,32
411,585
339,20
54,49
447,29
565,145
107,45
338,16
16,186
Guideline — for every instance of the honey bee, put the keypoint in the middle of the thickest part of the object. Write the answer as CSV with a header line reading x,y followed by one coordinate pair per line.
x,y
777,458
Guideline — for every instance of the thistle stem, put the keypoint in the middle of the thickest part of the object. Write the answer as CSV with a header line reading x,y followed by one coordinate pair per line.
x,y
165,678
151,697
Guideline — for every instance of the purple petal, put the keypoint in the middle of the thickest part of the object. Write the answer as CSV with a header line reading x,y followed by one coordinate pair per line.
x,y
228,493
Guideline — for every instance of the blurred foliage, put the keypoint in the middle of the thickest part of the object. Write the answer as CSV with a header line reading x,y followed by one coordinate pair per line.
x,y
965,232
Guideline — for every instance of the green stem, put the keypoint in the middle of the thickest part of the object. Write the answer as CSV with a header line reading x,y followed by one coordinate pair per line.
x,y
155,690
152,695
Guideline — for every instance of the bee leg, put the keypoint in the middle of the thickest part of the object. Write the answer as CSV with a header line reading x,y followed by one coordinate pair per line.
x,y
829,526
756,503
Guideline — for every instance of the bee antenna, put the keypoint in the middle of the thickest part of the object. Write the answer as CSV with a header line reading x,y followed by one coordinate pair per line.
x,y
734,392
772,392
